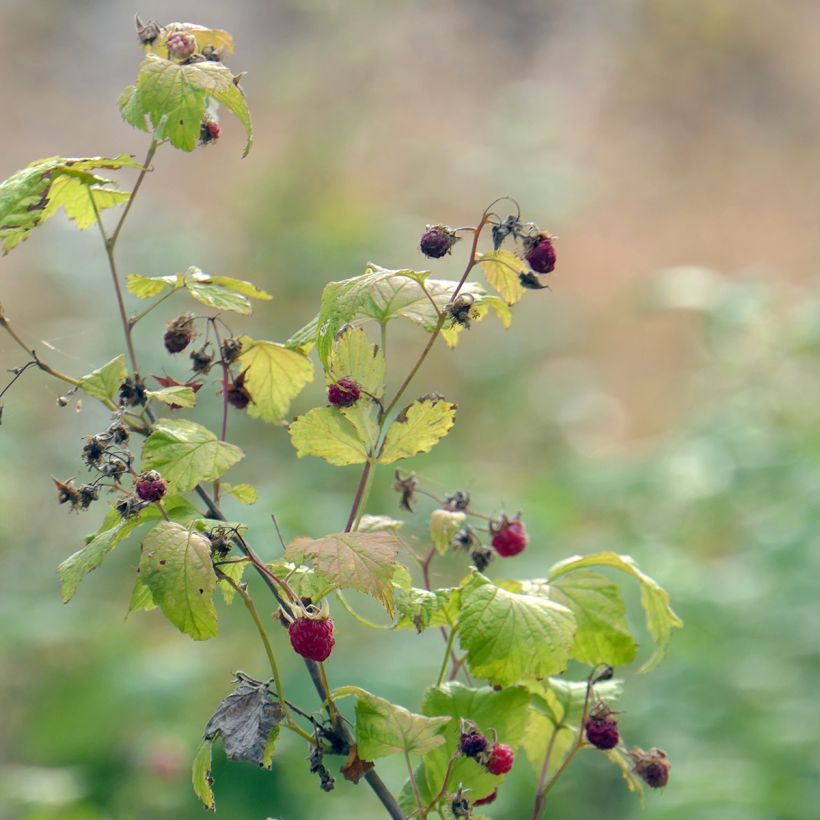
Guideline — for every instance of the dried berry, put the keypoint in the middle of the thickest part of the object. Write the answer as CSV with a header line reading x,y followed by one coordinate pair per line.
x,y
220,538
150,486
465,538
463,310
601,728
437,240
202,359
237,393
94,450
128,506
178,333
511,225
458,501
343,393
485,801
132,392
501,759
88,494
509,537
119,433
407,488
231,350
460,805
312,637
540,253
481,558
181,45
472,743
652,767
209,132
67,493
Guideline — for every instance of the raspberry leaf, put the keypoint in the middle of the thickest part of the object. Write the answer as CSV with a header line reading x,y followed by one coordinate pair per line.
x,y
420,608
186,453
201,775
417,429
222,292
147,287
379,523
216,39
502,269
326,433
274,376
38,191
354,358
304,581
176,566
243,493
384,729
104,382
141,598
364,561
537,737
176,396
510,637
234,570
660,617
444,524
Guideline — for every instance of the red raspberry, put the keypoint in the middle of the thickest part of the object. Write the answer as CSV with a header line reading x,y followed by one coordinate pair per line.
x,y
180,45
437,241
343,393
485,801
652,767
602,729
509,538
472,744
312,638
150,486
540,253
501,759
178,333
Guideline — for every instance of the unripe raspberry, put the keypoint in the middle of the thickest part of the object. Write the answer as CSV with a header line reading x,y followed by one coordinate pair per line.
x,y
209,132
652,767
602,728
501,759
343,393
150,486
485,801
312,638
181,45
540,253
509,537
437,241
178,333
472,744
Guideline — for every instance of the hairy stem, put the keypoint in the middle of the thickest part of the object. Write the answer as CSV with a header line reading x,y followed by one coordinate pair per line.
x,y
414,785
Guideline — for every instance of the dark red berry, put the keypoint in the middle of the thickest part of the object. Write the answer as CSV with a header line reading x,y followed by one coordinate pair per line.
x,y
485,801
540,253
437,241
472,744
602,729
509,537
343,393
652,767
209,131
150,486
237,393
312,637
180,45
178,333
501,759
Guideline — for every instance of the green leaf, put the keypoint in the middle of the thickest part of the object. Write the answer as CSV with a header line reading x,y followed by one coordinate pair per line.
x,y
379,523
141,598
270,748
660,617
537,737
417,429
176,566
420,608
201,776
274,376
567,696
221,292
174,97
186,453
234,570
354,357
364,561
179,395
147,287
509,637
384,729
603,635
243,493
326,433
444,524
38,191
304,581
501,269
104,383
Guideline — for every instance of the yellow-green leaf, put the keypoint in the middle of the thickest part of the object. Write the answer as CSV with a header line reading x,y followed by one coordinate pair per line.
x,y
444,524
147,287
353,357
201,776
178,395
326,433
104,383
243,493
417,429
502,269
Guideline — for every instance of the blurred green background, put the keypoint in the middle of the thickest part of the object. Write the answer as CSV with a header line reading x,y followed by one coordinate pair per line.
x,y
662,399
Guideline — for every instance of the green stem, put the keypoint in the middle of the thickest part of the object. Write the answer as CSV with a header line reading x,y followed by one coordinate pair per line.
x,y
447,655
134,319
361,619
415,786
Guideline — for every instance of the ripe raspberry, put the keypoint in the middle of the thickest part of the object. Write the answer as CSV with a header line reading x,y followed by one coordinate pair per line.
x,y
150,486
472,744
652,767
209,132
437,241
485,801
501,759
180,45
178,333
343,393
540,253
312,638
237,393
509,537
602,729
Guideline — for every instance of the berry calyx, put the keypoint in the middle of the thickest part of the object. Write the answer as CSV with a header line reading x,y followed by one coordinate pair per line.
x,y
501,759
472,744
509,537
485,801
652,767
178,333
180,45
343,393
312,638
601,728
540,253
437,241
150,486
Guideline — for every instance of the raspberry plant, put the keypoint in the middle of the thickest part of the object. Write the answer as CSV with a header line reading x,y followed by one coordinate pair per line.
x,y
501,691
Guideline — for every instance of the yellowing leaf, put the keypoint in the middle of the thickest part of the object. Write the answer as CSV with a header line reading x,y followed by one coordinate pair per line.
x,y
417,429
501,269
364,561
178,395
325,433
444,524
243,493
201,776
353,357
274,376
104,383
147,287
